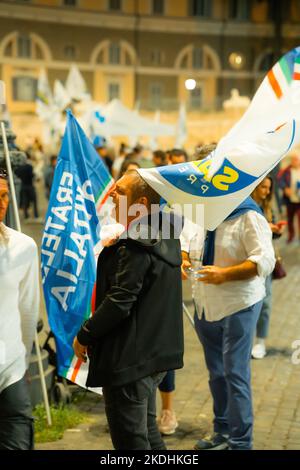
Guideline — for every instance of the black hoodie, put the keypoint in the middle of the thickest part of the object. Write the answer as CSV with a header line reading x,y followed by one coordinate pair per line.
x,y
137,327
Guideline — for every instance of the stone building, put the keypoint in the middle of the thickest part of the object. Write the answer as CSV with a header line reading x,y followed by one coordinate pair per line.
x,y
144,50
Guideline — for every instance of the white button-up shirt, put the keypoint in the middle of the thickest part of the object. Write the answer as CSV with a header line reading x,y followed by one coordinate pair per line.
x,y
19,305
247,237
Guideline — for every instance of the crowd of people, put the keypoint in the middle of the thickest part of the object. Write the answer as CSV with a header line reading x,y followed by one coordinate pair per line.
x,y
135,338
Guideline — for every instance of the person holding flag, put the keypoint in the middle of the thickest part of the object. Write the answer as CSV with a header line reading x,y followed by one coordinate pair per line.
x,y
136,332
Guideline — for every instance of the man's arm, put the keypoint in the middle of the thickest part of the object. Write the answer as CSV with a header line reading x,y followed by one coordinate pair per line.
x,y
132,266
218,275
256,237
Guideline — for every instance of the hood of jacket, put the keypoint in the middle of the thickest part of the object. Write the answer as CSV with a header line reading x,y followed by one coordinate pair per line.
x,y
159,234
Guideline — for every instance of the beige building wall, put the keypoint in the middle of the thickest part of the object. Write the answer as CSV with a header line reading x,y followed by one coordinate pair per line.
x,y
176,8
99,5
9,72
125,80
47,3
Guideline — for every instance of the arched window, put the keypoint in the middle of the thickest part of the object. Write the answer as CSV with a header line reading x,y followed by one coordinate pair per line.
x,y
114,53
198,58
24,46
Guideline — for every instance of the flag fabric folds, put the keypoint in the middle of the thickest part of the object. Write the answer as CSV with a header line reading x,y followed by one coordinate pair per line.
x,y
70,243
75,85
259,140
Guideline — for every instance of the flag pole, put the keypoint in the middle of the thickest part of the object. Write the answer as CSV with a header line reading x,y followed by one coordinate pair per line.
x,y
18,225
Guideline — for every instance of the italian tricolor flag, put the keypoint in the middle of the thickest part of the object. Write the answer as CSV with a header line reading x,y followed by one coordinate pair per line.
x,y
281,76
296,75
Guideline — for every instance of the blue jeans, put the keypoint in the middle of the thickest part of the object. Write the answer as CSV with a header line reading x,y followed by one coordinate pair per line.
x,y
167,385
131,414
227,345
262,327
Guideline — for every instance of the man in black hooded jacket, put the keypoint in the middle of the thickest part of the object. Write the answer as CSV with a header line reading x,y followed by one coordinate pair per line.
x,y
136,332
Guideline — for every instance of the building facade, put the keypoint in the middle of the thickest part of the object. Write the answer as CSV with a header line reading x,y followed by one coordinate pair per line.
x,y
144,50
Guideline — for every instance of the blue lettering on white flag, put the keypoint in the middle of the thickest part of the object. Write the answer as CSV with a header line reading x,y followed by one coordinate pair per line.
x,y
193,179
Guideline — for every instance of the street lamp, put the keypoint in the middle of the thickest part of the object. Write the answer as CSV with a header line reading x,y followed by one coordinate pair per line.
x,y
190,84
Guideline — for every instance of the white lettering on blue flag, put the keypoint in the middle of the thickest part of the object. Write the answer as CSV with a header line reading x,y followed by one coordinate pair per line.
x,y
75,215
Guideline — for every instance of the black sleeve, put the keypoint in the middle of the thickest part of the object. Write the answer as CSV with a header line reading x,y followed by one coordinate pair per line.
x,y
132,266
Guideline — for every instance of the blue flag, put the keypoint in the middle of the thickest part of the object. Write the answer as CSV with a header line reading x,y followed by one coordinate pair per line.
x,y
80,188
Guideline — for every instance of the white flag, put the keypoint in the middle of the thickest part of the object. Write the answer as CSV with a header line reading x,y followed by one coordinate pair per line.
x,y
268,130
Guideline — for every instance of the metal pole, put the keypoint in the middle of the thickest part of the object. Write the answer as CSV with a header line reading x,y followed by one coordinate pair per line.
x,y
18,224
42,377
189,316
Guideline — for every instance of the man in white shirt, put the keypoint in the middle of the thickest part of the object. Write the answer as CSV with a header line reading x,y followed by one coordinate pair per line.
x,y
237,257
19,294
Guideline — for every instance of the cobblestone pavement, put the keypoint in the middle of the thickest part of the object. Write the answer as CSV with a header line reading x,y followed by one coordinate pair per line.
x,y
275,379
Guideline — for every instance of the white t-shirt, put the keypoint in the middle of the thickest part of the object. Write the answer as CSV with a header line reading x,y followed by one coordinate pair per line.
x,y
247,237
19,305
